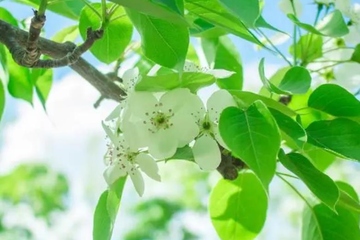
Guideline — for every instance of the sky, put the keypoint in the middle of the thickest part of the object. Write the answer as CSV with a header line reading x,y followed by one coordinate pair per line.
x,y
69,139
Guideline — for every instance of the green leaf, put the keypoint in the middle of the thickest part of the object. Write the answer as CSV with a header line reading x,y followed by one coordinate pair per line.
x,y
6,16
321,185
290,127
334,100
106,211
69,9
19,85
42,80
356,54
238,208
191,80
296,80
246,10
213,12
253,136
340,135
184,153
333,25
319,157
66,34
205,29
117,34
153,9
348,198
308,48
225,56
261,22
320,223
245,99
2,99
156,34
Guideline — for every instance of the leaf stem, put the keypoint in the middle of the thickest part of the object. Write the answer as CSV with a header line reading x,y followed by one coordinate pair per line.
x,y
303,198
294,33
274,47
92,8
42,7
287,175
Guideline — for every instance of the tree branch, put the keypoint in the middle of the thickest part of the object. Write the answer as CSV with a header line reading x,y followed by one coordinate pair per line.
x,y
12,36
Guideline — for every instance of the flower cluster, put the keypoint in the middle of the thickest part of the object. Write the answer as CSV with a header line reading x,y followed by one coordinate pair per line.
x,y
148,127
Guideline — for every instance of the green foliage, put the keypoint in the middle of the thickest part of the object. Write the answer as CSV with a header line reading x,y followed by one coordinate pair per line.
x,y
333,25
117,32
154,9
229,219
191,80
69,9
20,84
246,10
312,177
244,133
308,48
290,127
221,53
334,100
213,12
356,54
36,185
319,222
245,99
295,81
106,210
316,125
340,135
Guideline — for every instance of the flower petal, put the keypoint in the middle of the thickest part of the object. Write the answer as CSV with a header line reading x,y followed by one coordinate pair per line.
x,y
217,102
163,144
219,73
140,103
184,129
174,99
191,67
218,138
137,180
136,135
109,133
115,113
207,153
113,172
130,78
148,165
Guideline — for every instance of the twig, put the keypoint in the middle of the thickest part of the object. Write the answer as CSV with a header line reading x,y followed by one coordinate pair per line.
x,y
14,37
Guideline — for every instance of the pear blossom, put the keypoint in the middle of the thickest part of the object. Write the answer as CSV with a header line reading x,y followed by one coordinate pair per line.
x,y
206,150
353,13
122,160
162,125
217,73
129,80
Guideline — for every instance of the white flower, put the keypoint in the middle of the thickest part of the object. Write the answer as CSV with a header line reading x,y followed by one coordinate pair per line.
x,y
161,125
286,7
130,79
350,11
122,160
206,150
347,75
217,73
